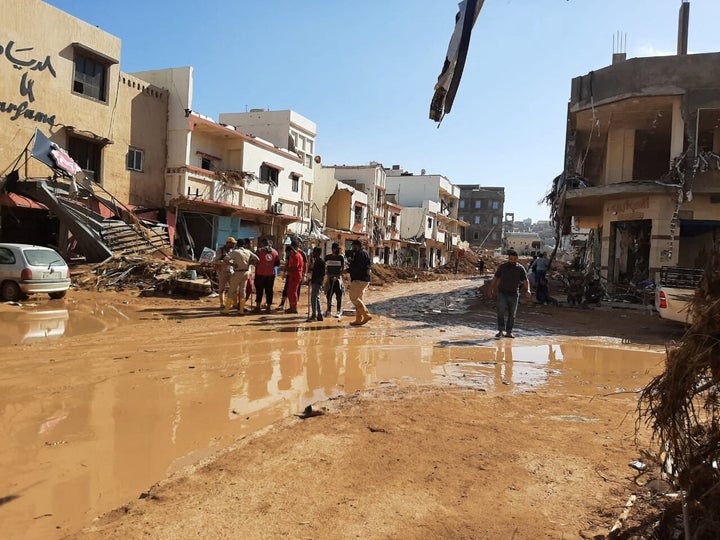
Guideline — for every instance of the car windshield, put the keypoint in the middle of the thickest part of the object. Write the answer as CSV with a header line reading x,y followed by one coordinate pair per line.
x,y
42,257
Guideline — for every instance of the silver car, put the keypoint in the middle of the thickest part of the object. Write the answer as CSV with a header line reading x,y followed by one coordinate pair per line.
x,y
26,269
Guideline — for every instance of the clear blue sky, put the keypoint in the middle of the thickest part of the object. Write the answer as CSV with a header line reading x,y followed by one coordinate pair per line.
x,y
364,72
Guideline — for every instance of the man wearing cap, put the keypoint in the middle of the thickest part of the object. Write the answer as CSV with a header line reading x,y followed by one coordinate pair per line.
x,y
360,275
241,259
334,286
223,267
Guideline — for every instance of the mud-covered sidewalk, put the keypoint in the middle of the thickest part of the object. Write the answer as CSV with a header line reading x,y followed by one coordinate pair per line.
x,y
430,428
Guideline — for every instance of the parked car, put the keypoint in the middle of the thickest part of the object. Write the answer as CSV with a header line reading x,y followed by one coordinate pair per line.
x,y
675,292
27,269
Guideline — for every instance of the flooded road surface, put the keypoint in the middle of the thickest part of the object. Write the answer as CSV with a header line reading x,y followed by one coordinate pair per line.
x,y
92,421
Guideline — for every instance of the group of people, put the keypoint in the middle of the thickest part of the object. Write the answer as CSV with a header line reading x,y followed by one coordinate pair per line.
x,y
234,260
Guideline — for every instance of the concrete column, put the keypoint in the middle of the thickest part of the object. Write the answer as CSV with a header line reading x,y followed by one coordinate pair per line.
x,y
620,155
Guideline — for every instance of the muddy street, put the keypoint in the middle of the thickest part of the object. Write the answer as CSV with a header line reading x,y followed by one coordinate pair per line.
x,y
105,395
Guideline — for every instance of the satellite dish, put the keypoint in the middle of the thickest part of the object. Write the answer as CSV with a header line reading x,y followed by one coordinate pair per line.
x,y
317,159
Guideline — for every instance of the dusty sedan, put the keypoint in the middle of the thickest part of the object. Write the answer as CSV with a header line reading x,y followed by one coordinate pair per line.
x,y
26,269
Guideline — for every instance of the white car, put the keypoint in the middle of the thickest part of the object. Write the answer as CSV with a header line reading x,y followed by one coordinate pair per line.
x,y
26,269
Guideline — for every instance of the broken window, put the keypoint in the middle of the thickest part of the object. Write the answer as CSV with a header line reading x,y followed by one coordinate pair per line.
x,y
652,154
89,77
268,175
708,131
87,154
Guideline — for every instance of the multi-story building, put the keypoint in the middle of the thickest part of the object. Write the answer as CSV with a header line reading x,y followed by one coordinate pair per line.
x,y
429,214
383,218
221,179
342,209
482,209
626,123
60,79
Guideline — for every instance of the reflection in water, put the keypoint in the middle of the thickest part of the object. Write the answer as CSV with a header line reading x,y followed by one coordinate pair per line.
x,y
84,449
504,367
31,325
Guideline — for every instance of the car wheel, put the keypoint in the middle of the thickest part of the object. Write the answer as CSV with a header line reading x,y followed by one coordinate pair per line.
x,y
57,295
10,291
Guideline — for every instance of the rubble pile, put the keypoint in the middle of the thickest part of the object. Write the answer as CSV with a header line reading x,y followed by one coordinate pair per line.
x,y
129,272
682,406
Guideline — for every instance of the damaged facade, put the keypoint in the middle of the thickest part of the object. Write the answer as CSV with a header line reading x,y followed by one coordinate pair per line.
x,y
157,177
60,77
642,166
429,214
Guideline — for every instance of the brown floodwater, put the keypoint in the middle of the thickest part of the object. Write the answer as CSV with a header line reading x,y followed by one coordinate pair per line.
x,y
73,449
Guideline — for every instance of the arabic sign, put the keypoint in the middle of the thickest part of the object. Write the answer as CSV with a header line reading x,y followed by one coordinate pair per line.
x,y
22,59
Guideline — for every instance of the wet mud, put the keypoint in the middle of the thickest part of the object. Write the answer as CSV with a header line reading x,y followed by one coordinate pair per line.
x,y
105,395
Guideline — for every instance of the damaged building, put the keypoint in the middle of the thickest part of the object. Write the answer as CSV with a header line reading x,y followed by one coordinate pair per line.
x,y
642,163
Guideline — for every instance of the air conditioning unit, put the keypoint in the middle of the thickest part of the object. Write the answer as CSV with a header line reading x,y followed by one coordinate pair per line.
x,y
277,208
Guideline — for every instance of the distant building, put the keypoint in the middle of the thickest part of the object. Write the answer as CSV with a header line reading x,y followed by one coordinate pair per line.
x,y
482,209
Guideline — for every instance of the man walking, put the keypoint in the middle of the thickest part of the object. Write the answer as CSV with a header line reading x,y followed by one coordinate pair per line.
x,y
509,278
542,265
360,275
334,286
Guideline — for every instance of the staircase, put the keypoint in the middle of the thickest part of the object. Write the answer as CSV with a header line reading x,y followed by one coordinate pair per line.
x,y
99,238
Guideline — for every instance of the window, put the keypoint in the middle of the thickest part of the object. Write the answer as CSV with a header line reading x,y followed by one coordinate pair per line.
x,y
429,222
495,205
462,204
358,214
461,218
206,163
307,161
476,220
495,220
478,204
494,236
295,179
90,76
476,235
135,159
268,175
87,154
6,256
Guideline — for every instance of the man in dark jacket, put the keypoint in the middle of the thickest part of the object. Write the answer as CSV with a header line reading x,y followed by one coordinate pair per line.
x,y
359,270
509,278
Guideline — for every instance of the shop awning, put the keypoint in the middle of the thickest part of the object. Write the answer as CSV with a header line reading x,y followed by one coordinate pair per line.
x,y
198,204
16,200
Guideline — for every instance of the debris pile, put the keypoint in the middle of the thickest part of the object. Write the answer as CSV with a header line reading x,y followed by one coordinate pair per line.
x,y
682,406
128,272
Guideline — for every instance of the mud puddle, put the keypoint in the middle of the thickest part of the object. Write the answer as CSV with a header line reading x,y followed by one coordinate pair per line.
x,y
30,322
73,450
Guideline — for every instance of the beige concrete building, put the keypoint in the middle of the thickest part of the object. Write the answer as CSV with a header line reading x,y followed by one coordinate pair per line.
x,y
61,77
429,216
642,163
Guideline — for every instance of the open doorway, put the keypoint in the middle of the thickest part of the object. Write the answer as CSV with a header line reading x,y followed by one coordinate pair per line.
x,y
629,253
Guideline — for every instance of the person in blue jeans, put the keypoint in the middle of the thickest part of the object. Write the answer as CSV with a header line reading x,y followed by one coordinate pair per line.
x,y
509,278
317,277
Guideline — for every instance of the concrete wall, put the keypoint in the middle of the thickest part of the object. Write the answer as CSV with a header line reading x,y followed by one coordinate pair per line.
x,y
659,75
179,84
36,78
